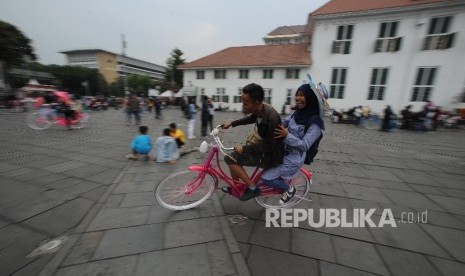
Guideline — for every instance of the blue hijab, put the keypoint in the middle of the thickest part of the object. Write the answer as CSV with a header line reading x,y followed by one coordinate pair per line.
x,y
311,113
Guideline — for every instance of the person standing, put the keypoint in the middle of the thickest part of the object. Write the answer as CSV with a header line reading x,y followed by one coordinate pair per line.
x,y
192,114
205,117
388,114
211,113
158,109
134,104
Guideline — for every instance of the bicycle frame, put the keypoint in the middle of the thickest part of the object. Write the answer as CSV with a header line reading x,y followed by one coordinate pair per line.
x,y
61,120
237,187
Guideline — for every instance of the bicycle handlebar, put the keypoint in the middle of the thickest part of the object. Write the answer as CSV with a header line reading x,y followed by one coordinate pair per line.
x,y
217,139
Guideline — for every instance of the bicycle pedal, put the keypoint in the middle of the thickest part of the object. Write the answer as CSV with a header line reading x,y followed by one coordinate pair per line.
x,y
226,190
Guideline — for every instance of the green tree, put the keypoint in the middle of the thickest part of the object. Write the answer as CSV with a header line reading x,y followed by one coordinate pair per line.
x,y
70,78
174,76
140,84
14,46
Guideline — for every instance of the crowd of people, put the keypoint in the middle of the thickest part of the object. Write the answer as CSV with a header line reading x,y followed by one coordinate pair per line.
x,y
429,118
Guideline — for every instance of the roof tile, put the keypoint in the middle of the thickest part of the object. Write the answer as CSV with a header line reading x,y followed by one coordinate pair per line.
x,y
342,6
260,55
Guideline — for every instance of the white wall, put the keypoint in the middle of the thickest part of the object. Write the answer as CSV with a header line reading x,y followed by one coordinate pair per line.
x,y
279,84
412,26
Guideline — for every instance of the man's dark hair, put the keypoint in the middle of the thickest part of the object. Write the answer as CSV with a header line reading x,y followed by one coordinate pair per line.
x,y
166,132
143,129
254,91
172,125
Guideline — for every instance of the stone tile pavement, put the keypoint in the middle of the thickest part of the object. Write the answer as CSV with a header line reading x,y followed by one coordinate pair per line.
x,y
77,185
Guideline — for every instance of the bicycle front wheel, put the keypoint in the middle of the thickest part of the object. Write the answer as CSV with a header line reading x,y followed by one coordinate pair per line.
x,y
36,121
185,190
300,182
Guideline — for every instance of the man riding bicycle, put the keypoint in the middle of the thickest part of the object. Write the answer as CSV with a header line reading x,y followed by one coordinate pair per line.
x,y
262,149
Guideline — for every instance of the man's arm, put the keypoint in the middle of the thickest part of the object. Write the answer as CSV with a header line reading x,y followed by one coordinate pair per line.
x,y
249,119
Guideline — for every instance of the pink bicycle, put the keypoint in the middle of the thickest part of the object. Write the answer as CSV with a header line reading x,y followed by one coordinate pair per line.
x,y
41,120
190,188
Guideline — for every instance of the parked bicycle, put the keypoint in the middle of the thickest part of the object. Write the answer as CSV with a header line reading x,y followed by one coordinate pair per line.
x,y
190,188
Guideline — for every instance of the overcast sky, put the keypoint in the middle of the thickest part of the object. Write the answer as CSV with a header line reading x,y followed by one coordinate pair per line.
x,y
152,27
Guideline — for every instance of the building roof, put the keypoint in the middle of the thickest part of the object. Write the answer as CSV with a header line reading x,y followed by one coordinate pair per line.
x,y
260,55
287,30
86,51
344,6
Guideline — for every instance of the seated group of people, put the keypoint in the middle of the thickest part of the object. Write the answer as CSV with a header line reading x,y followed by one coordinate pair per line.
x,y
167,146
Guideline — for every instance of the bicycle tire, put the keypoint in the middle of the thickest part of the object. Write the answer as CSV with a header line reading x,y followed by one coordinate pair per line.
x,y
81,123
301,184
38,122
171,192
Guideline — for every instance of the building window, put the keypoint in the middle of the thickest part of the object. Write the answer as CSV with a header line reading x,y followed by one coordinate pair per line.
x,y
267,98
378,84
200,75
338,82
220,74
343,40
438,37
423,84
237,98
387,40
243,74
221,95
292,73
268,74
289,97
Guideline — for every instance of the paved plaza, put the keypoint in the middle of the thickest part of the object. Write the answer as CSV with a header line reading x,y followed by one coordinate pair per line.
x,y
77,187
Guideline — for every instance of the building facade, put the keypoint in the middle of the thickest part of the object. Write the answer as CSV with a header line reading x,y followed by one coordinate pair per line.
x,y
370,53
112,65
287,35
394,53
279,69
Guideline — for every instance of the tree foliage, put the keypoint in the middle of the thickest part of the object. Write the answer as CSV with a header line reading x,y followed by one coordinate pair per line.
x,y
174,76
14,45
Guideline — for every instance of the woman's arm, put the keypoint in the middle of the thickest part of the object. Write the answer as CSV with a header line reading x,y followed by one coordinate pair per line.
x,y
312,134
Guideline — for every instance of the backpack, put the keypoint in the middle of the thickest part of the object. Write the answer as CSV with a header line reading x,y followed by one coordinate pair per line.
x,y
313,150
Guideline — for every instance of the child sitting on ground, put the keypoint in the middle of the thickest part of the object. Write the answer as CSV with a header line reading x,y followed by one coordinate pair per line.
x,y
167,148
177,134
141,144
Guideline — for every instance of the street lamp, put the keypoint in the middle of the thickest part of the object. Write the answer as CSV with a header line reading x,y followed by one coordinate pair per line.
x,y
123,67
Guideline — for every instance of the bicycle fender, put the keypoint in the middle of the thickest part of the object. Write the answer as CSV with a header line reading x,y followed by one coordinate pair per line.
x,y
307,173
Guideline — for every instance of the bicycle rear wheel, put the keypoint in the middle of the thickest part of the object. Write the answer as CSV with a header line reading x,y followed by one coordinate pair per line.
x,y
271,200
36,121
185,190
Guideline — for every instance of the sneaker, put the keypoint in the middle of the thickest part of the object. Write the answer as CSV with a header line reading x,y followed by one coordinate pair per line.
x,y
287,195
131,157
249,194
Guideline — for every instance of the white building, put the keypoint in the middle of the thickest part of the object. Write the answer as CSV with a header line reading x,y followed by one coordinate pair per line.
x,y
368,52
390,52
279,69
287,35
